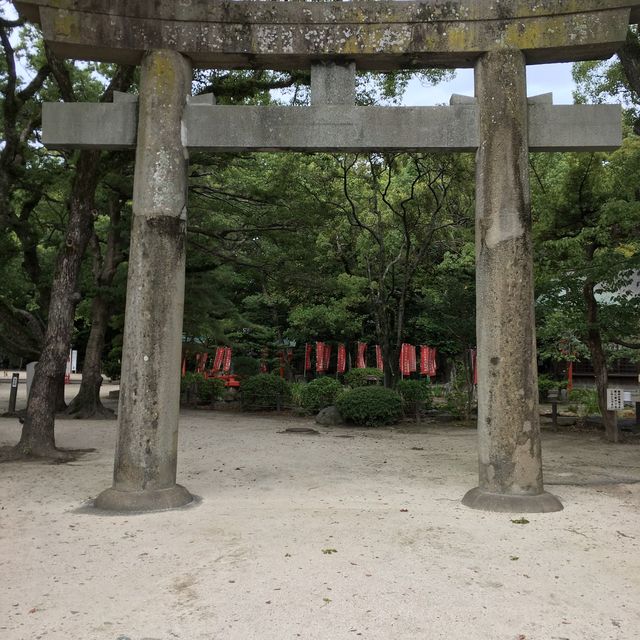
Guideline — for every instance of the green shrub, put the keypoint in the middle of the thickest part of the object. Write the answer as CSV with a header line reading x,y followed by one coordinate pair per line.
x,y
245,366
415,394
111,368
296,393
362,377
370,406
459,396
319,393
201,390
546,383
587,401
265,391
437,391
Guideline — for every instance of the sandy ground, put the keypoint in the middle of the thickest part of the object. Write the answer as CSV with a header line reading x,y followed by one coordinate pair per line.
x,y
348,533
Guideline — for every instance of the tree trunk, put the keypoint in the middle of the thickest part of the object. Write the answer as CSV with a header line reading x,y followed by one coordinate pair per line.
x,y
61,403
87,403
599,362
37,437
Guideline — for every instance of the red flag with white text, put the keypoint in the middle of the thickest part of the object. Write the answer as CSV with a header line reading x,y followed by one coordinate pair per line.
x,y
342,358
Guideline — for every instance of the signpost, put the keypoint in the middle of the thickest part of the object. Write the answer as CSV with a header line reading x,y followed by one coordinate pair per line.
x,y
15,379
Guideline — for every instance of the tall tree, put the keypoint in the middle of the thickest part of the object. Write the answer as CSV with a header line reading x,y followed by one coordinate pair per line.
x,y
38,438
397,212
588,223
105,262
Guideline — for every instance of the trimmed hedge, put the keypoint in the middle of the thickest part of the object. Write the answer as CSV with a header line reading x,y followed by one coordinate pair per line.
x,y
360,377
319,393
264,392
370,406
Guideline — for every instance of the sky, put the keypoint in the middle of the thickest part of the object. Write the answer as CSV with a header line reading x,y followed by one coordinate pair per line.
x,y
544,78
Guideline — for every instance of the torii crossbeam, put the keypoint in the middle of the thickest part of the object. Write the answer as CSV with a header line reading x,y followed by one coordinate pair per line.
x,y
496,37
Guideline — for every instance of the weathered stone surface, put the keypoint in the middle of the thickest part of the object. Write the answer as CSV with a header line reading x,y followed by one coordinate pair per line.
x,y
484,501
146,500
146,452
333,84
376,35
332,128
329,417
510,462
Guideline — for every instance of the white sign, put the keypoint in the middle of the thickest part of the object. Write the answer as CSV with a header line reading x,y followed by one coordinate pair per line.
x,y
615,399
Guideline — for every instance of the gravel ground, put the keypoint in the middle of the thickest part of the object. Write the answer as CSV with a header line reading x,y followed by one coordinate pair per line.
x,y
348,533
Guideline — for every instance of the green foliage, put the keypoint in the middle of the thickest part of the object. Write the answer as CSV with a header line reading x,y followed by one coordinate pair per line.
x,y
459,396
437,391
370,406
319,393
202,390
111,368
265,392
246,366
587,401
546,383
415,394
587,222
296,393
362,377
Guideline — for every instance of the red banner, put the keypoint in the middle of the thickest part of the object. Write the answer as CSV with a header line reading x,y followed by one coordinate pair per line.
x,y
226,366
342,358
201,361
320,368
411,356
218,359
379,360
432,364
424,359
361,358
307,357
404,360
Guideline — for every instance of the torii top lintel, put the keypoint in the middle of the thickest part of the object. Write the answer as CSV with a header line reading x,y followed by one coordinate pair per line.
x,y
377,35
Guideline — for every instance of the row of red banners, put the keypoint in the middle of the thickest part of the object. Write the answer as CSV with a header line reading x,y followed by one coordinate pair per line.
x,y
221,361
408,365
408,360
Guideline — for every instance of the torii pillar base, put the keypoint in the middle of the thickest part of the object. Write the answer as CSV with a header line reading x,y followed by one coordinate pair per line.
x,y
147,500
511,503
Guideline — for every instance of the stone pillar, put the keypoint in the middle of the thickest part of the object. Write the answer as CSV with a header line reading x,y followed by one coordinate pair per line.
x,y
333,84
146,451
508,420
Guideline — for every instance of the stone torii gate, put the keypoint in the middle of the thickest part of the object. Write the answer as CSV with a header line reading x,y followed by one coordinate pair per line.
x,y
168,38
